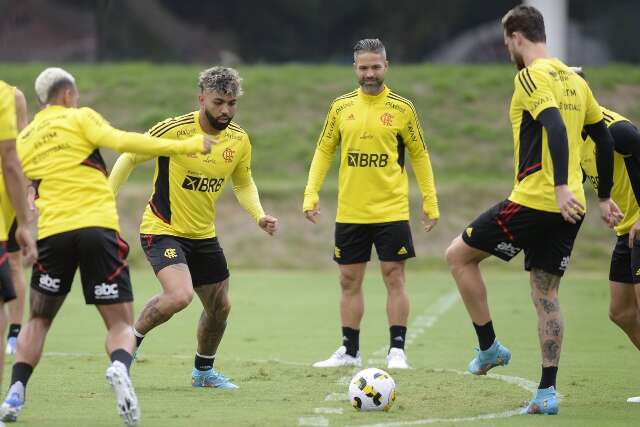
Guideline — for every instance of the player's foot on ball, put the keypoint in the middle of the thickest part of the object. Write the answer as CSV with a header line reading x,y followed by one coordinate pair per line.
x,y
126,399
544,402
12,343
397,359
13,403
210,378
340,358
634,399
496,355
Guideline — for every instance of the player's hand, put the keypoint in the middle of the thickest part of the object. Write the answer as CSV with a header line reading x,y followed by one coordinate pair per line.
x,y
27,244
207,143
610,212
634,233
428,223
269,224
570,208
312,214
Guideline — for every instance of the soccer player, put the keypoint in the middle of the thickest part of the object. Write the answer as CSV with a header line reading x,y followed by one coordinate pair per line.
x,y
550,107
78,227
178,232
13,117
14,307
624,272
373,126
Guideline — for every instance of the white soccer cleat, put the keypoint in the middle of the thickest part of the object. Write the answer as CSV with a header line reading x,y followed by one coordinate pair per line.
x,y
339,359
634,399
126,399
396,359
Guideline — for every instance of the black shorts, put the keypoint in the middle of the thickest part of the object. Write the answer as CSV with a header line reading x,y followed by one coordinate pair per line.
x,y
7,291
625,262
392,240
507,228
100,254
12,244
204,257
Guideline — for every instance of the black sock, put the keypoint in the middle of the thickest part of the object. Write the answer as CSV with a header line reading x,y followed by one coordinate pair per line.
x,y
139,337
21,372
397,334
14,330
351,340
486,336
548,379
122,355
204,363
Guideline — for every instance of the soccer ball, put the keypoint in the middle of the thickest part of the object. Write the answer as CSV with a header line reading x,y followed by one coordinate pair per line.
x,y
372,389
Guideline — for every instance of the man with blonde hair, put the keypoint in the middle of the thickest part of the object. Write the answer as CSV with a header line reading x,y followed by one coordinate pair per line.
x,y
178,233
78,228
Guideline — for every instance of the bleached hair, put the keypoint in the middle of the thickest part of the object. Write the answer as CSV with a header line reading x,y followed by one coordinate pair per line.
x,y
223,80
50,80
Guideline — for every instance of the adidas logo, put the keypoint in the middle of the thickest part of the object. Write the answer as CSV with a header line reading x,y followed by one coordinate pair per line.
x,y
337,252
638,272
469,230
351,117
398,338
403,251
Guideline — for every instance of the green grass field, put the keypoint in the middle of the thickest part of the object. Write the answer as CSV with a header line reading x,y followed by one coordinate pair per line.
x,y
281,322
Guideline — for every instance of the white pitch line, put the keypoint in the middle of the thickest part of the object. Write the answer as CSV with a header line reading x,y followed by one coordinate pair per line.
x,y
313,421
336,397
523,383
421,323
328,411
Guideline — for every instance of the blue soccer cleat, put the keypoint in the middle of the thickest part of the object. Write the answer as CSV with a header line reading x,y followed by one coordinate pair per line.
x,y
13,403
544,402
496,355
210,378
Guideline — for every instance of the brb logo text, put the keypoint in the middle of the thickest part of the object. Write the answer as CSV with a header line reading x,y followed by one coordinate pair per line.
x,y
365,160
205,185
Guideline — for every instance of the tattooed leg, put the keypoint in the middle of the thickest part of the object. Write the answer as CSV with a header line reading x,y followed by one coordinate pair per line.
x,y
32,336
544,293
213,321
177,293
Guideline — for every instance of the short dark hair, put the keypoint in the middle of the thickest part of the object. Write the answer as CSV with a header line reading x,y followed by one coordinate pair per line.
x,y
369,45
526,20
57,88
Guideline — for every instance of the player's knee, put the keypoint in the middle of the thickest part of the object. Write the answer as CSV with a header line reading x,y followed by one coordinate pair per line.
x,y
453,254
181,298
623,317
393,277
349,282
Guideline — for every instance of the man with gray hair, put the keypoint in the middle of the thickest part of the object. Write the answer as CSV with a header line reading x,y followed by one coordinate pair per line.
x,y
78,228
373,126
178,233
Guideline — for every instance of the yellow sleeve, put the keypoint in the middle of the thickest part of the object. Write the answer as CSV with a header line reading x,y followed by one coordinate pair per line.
x,y
245,188
100,133
414,141
593,112
8,118
123,167
532,89
327,143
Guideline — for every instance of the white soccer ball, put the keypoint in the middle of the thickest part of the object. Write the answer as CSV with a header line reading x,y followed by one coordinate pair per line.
x,y
372,389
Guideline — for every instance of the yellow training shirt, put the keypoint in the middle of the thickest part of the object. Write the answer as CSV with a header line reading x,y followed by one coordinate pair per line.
x,y
373,132
8,132
543,84
186,188
59,152
621,192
